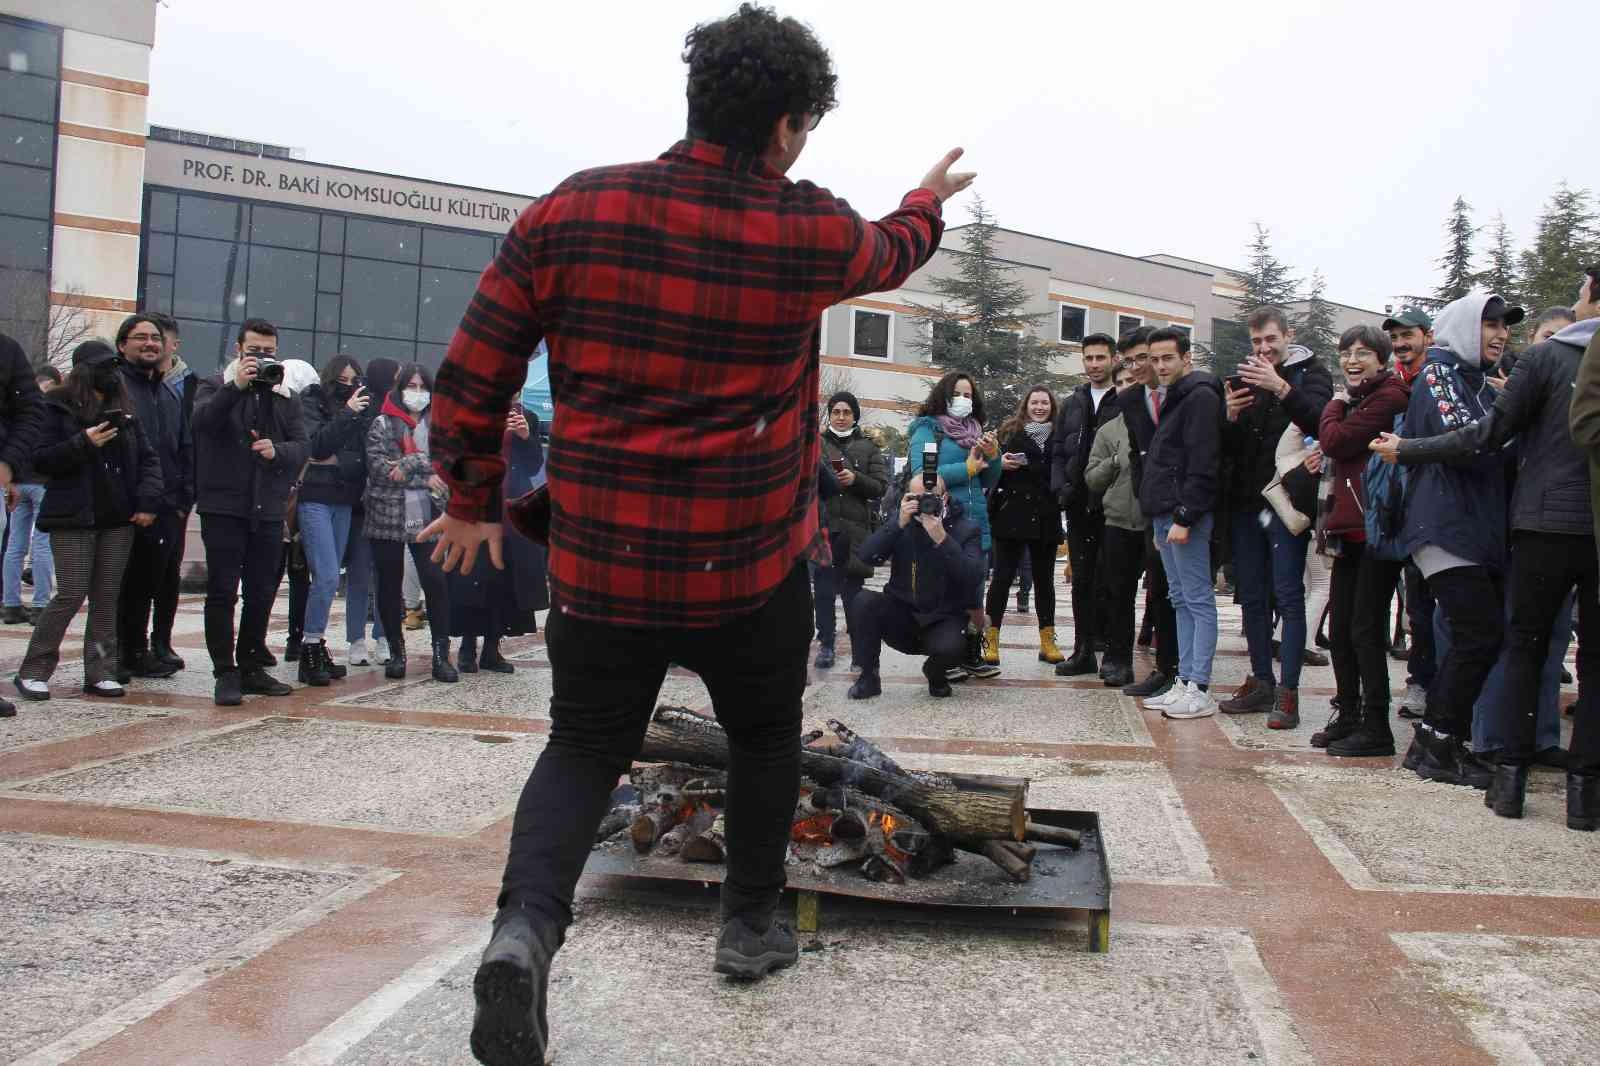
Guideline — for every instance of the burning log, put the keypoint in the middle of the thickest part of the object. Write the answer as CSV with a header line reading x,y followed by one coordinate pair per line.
x,y
842,853
679,835
615,822
860,813
709,846
652,824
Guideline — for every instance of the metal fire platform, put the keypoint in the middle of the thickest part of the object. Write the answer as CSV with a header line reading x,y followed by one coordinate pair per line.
x,y
1066,882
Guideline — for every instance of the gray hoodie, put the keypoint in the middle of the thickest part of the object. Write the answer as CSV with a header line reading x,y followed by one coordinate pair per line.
x,y
1459,328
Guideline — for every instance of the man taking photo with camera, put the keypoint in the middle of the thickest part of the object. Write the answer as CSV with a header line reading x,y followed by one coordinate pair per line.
x,y
250,444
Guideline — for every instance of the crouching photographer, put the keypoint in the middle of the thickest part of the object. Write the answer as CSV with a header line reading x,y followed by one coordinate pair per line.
x,y
936,562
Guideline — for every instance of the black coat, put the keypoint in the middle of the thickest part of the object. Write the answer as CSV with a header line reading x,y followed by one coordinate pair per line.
x,y
21,406
1179,467
522,588
1022,507
1076,424
1250,445
230,478
89,487
340,434
935,581
160,414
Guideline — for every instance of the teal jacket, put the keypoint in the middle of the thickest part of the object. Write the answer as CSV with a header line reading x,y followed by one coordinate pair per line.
x,y
953,468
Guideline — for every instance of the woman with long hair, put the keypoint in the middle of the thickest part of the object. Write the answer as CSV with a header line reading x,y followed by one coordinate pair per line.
x,y
361,581
952,418
403,494
105,478
1023,517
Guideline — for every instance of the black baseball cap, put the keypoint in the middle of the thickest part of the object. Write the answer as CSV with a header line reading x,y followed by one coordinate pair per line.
x,y
1510,314
1414,317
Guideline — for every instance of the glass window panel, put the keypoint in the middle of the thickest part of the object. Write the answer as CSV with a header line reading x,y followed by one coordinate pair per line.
x,y
329,270
1185,330
200,216
287,229
1127,324
209,275
366,349
158,293
295,343
332,234
382,240
24,242
24,191
327,347
26,96
1074,321
283,287
328,312
29,143
445,295
207,346
464,251
159,258
163,212
431,355
380,299
871,334
35,51
24,303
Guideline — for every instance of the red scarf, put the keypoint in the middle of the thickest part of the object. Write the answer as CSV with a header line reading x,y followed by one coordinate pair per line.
x,y
407,445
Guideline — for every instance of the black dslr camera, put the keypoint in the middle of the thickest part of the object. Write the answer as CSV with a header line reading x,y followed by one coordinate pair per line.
x,y
269,372
930,502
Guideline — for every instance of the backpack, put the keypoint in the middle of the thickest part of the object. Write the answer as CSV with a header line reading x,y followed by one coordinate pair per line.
x,y
1386,488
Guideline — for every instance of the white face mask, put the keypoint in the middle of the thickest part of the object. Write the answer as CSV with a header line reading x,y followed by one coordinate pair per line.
x,y
961,406
416,399
841,433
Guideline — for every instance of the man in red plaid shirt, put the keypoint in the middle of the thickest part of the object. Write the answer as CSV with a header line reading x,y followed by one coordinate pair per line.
x,y
680,300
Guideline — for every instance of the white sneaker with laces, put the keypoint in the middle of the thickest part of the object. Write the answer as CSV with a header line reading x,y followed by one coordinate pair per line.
x,y
1195,704
1175,692
32,687
357,653
379,653
1415,699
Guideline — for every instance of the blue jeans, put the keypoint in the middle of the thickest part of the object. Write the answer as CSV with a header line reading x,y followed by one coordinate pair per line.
x,y
324,532
1269,568
29,497
1194,601
1485,713
358,585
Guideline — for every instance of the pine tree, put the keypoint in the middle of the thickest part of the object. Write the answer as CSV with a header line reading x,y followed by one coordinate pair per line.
x,y
1267,283
1566,242
1456,263
1316,329
1500,276
980,325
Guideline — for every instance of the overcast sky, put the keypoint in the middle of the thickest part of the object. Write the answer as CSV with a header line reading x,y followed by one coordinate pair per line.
x,y
1346,128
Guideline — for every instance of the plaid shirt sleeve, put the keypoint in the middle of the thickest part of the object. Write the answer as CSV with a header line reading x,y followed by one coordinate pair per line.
x,y
680,300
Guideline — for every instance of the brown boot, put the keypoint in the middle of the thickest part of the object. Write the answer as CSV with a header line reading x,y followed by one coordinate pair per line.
x,y
1286,712
1254,695
1048,652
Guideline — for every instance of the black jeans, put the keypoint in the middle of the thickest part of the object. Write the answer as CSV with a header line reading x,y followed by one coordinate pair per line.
x,y
1007,562
1166,620
1473,601
299,575
389,556
606,679
165,608
1122,560
881,619
1376,580
830,582
1085,530
1544,566
157,549
239,551
1423,663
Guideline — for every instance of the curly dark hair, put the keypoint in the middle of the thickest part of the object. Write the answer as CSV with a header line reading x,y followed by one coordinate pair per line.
x,y
944,390
749,70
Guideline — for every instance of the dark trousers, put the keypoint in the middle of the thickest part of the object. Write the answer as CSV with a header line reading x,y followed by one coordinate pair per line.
x,y
1473,601
299,575
389,555
606,679
1423,663
1008,561
89,565
1166,617
152,564
1085,530
1544,568
881,619
1122,560
165,607
1368,629
239,552
830,582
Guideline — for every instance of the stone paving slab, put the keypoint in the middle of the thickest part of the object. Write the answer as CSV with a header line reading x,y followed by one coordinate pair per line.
x,y
1389,830
524,694
62,719
97,937
634,985
1525,999
336,773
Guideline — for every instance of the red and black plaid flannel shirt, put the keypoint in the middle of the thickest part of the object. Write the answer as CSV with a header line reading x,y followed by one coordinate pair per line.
x,y
680,298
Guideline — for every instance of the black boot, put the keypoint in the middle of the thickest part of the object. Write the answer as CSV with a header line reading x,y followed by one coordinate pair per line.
x,y
490,658
509,1027
228,692
1373,737
442,670
938,684
395,668
337,671
1583,801
1117,673
749,953
467,656
291,650
312,658
866,686
1346,719
162,650
1081,662
1472,768
146,664
1154,682
255,681
7,709
1433,756
1507,790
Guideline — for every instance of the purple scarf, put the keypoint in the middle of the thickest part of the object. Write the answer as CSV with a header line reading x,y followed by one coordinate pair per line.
x,y
964,431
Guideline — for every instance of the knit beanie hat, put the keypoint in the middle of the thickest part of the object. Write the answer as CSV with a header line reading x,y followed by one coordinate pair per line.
x,y
844,397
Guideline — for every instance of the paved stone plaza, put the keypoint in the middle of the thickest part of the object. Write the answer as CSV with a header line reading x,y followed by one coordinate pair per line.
x,y
308,880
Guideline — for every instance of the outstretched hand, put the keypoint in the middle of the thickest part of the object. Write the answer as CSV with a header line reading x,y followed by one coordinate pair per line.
x,y
459,541
944,184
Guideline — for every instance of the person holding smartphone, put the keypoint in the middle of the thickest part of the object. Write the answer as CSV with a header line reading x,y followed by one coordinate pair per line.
x,y
858,465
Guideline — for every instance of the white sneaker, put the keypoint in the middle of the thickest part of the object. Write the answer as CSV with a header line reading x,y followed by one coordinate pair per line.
x,y
379,650
1195,704
32,689
1174,693
357,653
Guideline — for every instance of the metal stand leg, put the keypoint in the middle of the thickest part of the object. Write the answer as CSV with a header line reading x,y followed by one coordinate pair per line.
x,y
807,912
1099,932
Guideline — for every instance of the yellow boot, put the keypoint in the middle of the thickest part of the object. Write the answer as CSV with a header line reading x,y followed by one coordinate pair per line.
x,y
991,646
1048,652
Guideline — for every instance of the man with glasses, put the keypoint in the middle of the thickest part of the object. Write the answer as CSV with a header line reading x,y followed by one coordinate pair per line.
x,y
142,343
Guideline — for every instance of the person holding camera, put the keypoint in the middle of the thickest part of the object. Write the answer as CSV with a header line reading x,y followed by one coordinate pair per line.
x,y
936,564
863,476
105,479
250,443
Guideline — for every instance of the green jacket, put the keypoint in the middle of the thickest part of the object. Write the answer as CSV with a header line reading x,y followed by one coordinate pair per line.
x,y
1110,472
1584,418
850,512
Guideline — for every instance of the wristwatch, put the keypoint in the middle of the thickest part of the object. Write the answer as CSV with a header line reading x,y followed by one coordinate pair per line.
x,y
1182,516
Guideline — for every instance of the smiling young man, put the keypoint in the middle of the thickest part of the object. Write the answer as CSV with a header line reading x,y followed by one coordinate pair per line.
x,y
1410,336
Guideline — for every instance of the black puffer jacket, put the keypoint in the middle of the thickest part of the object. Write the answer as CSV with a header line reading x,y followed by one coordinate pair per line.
x,y
850,512
1076,424
1552,484
1180,467
21,406
1251,444
89,487
230,478
1022,507
334,431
